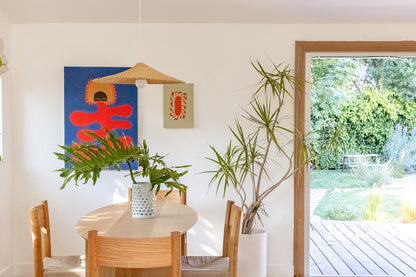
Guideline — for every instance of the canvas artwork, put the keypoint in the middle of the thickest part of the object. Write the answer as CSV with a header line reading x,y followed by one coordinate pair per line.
x,y
178,106
96,107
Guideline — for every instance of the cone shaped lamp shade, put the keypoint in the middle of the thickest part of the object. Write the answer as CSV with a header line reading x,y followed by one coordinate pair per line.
x,y
140,71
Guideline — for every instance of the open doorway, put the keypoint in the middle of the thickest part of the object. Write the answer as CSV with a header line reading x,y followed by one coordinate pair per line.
x,y
303,49
363,132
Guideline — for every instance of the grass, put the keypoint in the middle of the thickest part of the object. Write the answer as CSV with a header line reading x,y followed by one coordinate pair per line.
x,y
348,198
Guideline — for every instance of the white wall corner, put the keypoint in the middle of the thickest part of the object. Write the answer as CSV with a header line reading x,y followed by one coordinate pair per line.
x,y
22,270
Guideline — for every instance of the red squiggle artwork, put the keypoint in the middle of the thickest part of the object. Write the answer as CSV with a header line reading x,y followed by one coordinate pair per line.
x,y
104,117
178,105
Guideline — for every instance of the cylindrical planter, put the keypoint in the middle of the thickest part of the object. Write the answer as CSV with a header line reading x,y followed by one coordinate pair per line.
x,y
252,254
143,200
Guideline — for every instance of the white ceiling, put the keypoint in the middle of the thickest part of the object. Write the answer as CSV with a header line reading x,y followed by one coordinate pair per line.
x,y
219,11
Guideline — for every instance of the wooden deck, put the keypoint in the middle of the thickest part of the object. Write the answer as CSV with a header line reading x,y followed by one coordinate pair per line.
x,y
362,248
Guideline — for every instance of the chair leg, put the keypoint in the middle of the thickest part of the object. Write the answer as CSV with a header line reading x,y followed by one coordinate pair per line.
x,y
183,245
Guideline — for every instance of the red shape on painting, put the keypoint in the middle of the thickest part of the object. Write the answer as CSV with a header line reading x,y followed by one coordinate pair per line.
x,y
103,116
178,104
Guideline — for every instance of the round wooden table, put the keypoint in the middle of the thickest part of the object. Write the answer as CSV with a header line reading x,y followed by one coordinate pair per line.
x,y
116,221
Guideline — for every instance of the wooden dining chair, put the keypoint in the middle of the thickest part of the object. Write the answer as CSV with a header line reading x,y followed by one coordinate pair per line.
x,y
155,256
175,195
46,264
218,266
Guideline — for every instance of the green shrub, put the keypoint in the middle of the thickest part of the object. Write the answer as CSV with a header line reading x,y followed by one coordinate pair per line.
x,y
401,149
374,176
373,211
341,213
409,212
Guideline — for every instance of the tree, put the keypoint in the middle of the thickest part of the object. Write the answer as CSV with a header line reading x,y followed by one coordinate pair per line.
x,y
393,73
333,81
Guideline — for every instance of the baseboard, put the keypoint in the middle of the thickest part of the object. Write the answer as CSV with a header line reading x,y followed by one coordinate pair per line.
x,y
7,272
23,270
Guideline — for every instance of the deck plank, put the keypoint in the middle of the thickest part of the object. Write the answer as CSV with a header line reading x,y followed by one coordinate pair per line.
x,y
389,264
348,243
410,263
362,248
324,265
404,232
313,267
341,259
397,235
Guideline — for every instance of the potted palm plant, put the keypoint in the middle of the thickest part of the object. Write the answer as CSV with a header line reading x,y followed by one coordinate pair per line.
x,y
246,163
87,160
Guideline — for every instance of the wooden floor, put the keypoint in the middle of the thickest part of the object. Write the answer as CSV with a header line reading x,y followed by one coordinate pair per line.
x,y
362,248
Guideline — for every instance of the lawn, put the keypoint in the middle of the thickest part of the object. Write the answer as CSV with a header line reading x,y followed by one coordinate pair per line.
x,y
348,198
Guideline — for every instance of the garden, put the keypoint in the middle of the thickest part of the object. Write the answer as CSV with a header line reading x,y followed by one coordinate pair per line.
x,y
363,106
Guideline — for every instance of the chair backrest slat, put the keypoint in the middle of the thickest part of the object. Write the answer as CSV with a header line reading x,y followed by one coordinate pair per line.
x,y
41,236
175,195
133,253
227,223
233,239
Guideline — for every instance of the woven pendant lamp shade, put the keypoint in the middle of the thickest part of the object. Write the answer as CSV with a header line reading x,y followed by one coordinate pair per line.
x,y
140,71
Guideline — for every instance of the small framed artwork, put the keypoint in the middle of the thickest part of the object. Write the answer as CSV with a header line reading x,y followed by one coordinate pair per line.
x,y
178,106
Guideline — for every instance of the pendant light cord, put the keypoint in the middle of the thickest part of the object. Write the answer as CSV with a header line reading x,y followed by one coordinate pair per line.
x,y
140,30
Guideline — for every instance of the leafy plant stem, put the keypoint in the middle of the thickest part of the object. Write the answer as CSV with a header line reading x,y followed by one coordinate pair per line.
x,y
131,173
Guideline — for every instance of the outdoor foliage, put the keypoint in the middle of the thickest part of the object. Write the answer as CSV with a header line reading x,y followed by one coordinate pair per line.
x,y
395,74
409,213
353,110
370,117
401,149
345,213
348,198
374,176
331,80
373,211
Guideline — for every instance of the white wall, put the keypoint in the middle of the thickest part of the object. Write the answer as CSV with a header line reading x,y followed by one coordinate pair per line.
x,y
6,235
215,57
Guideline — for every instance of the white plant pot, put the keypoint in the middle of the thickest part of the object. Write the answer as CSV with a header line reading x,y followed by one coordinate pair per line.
x,y
143,200
252,254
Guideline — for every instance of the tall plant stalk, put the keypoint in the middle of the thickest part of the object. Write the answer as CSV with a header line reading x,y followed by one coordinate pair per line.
x,y
247,160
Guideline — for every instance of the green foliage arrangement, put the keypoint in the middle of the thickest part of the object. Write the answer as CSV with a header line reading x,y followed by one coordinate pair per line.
x,y
246,162
87,160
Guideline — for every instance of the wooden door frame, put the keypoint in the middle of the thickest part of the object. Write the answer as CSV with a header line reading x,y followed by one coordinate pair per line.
x,y
302,48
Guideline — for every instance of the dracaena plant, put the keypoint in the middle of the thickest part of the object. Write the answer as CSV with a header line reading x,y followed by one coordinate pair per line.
x,y
246,162
87,160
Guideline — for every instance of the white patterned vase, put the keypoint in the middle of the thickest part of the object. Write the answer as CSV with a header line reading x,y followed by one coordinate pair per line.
x,y
143,200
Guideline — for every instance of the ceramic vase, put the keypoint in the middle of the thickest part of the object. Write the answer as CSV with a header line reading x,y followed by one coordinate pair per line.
x,y
143,200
